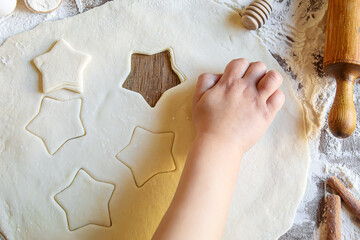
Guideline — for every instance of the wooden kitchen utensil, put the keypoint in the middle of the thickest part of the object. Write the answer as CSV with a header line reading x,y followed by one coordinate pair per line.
x,y
256,14
348,198
333,217
342,61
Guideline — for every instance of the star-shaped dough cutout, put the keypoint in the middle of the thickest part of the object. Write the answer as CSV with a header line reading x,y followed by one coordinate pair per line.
x,y
86,201
148,154
62,68
57,122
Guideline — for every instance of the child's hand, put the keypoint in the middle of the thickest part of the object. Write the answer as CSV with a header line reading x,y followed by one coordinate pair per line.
x,y
231,112
236,108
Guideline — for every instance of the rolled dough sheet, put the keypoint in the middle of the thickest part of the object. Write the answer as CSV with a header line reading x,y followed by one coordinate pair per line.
x,y
203,37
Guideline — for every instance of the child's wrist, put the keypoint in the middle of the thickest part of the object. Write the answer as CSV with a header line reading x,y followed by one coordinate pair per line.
x,y
214,142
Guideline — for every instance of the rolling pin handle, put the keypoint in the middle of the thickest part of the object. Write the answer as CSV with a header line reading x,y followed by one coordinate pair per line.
x,y
342,117
342,61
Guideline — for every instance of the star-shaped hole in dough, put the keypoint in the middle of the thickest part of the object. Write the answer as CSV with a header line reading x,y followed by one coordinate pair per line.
x,y
86,201
148,154
57,122
62,68
152,75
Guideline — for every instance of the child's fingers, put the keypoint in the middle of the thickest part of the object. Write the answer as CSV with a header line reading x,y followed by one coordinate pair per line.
x,y
269,83
234,71
204,83
276,101
255,72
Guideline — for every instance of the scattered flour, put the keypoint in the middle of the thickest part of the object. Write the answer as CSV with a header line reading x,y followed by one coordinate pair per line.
x,y
85,5
347,176
23,19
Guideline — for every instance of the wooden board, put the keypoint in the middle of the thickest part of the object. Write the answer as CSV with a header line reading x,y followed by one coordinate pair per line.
x,y
151,76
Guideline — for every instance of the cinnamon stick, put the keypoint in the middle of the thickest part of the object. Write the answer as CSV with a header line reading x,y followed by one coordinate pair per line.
x,y
347,197
333,217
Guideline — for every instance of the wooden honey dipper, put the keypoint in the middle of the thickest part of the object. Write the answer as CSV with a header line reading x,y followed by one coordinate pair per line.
x,y
256,14
342,61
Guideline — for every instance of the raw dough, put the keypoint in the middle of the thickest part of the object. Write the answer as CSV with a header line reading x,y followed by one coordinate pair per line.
x,y
57,122
204,37
62,68
157,147
96,208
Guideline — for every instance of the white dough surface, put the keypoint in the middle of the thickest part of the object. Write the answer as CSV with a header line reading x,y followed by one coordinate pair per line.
x,y
203,37
71,64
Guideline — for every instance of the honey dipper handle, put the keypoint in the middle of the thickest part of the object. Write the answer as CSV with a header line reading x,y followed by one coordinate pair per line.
x,y
342,117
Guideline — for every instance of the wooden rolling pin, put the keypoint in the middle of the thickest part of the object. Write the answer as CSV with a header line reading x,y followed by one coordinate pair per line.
x,y
342,61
